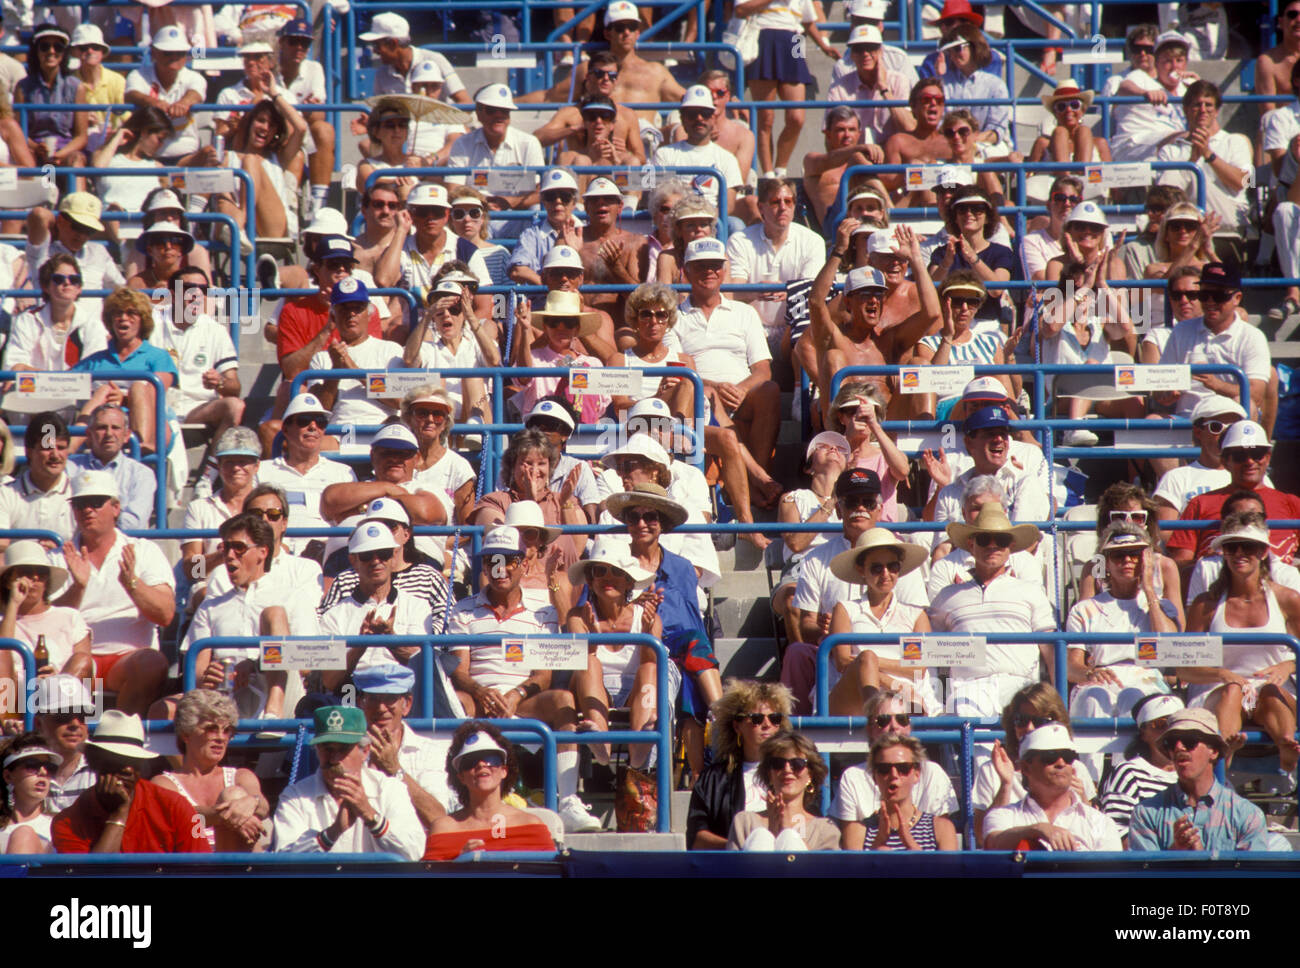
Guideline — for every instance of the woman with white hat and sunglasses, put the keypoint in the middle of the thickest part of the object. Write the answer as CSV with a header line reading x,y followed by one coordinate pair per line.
x,y
1256,683
27,582
876,562
28,766
1147,769
616,675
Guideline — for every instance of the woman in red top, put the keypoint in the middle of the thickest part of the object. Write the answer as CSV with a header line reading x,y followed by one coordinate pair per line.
x,y
481,768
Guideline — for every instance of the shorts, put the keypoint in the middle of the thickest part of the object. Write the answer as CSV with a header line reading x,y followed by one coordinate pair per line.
x,y
104,663
620,694
776,58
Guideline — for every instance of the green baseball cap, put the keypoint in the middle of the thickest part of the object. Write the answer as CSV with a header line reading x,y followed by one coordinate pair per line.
x,y
339,724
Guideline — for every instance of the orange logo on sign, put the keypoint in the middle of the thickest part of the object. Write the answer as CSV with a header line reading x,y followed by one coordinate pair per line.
x,y
1147,650
911,378
377,383
514,651
271,655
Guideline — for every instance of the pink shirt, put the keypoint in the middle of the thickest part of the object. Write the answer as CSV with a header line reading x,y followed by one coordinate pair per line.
x,y
544,386
888,486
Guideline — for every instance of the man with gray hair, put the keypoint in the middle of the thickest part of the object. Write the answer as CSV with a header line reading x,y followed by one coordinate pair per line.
x,y
823,170
107,432
976,492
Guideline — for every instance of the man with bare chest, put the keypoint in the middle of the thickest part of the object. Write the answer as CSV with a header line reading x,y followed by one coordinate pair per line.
x,y
609,254
925,145
823,170
378,249
1274,66
567,125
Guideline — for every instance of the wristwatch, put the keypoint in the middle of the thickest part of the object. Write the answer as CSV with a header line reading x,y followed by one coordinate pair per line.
x,y
400,775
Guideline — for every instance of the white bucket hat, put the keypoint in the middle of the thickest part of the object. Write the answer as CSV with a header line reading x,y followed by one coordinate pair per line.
x,y
609,550
121,734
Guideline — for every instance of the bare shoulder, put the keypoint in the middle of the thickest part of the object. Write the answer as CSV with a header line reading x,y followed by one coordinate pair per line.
x,y
1288,598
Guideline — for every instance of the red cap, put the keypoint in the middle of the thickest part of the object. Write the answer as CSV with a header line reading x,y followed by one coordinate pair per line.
x,y
962,9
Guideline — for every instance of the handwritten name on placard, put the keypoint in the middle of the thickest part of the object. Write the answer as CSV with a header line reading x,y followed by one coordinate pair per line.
x,y
927,176
1180,650
1176,376
308,655
1135,174
542,652
63,386
396,383
605,381
943,650
943,380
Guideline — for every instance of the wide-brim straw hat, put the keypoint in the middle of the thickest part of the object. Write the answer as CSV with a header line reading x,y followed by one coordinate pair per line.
x,y
993,519
1067,90
568,304
30,554
646,495
844,566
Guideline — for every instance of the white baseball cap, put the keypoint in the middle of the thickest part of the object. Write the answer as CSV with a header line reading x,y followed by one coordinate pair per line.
x,y
495,96
95,484
602,187
882,240
1245,433
385,25
865,34
951,176
395,436
620,11
171,40
650,407
503,540
256,47
528,514
1053,736
426,194
984,388
386,509
1171,37
558,180
549,408
371,536
698,96
88,35
426,72
1156,707
865,277
705,250
1216,406
1089,213
562,257
305,403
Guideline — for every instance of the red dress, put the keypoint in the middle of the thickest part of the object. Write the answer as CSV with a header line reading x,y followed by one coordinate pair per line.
x,y
529,836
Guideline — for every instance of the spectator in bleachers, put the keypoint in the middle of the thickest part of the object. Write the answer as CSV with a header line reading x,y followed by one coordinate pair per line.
x,y
1280,141
823,170
485,260
564,322
923,144
27,580
790,775
732,134
857,413
301,471
228,800
293,573
610,254
237,453
961,133
165,248
873,12
24,823
482,770
616,676
39,496
747,715
62,705
1256,682
249,89
304,82
559,193
133,145
489,686
526,471
1013,605
1143,128
871,80
65,328
661,201
267,145
1146,770
69,233
1170,820
599,120
977,491
1275,68
450,311
163,208
1210,420
972,222
389,128
1184,245
1125,503
1219,336
430,244
428,411
99,85
123,813
167,84
567,124
379,247
775,250
54,137
346,806
876,562
1040,246
968,76
898,763
496,143
107,434
697,149
1068,136
832,343
693,217
965,338
390,36
952,179
1248,508
546,560
1140,250
857,797
651,314
396,750
1083,241
555,417
1052,815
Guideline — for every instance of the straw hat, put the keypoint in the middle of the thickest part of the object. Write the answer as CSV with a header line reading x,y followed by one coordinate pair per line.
x,y
1067,90
528,514
844,566
568,304
651,496
30,554
993,519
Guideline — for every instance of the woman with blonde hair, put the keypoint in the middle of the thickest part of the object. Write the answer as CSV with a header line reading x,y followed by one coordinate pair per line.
x,y
790,775
693,217
651,312
1186,238
748,715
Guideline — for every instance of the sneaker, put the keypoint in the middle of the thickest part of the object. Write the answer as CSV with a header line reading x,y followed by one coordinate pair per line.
x,y
1279,784
268,271
1080,438
1284,311
576,817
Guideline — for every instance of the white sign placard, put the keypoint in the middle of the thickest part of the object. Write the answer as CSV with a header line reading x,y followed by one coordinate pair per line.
x,y
64,386
1140,378
396,383
1180,650
943,650
605,381
1133,174
207,181
946,381
923,177
493,181
539,652
492,61
308,655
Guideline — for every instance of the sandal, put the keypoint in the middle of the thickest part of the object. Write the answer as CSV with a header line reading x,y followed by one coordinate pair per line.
x,y
1285,311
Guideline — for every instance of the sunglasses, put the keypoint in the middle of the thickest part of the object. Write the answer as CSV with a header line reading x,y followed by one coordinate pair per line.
x,y
882,721
452,309
931,99
63,719
296,41
1061,106
1188,740
1243,548
1136,517
532,535
562,322
549,425
430,413
1291,14
1026,719
381,206
1182,225
238,547
1000,540
867,48
1176,295
46,46
758,719
778,764
604,571
962,132
868,501
605,75
64,279
965,302
884,769
1062,198
367,557
1216,296
1122,554
311,420
267,514
428,211
491,758
473,212
396,123
636,517
878,568
696,113
624,27
1243,454
655,315
216,729
44,766
559,198
93,502
1144,48
1048,757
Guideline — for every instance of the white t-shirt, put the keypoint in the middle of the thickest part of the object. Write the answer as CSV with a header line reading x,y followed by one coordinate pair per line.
x,y
1239,345
726,344
858,797
116,624
683,154
1277,130
1144,126
1106,613
445,478
1180,485
754,259
437,355
1232,207
185,136
63,628
411,616
352,405
304,490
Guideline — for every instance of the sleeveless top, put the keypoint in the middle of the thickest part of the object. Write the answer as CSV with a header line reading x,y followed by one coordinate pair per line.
x,y
649,384
619,665
227,777
1246,660
922,833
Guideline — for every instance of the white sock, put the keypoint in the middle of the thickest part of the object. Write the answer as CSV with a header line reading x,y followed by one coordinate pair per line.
x,y
566,781
318,193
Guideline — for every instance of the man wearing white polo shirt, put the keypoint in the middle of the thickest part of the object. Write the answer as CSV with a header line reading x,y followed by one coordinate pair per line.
x,y
496,145
490,685
39,496
390,36
698,149
125,591
727,342
167,84
1144,128
872,13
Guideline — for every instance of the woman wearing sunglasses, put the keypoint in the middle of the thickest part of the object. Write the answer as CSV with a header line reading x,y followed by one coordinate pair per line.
x,y
389,128
692,217
482,770
54,137
228,800
999,780
897,763
441,339
1256,683
790,776
876,562
29,765
485,260
63,331
746,716
1067,137
563,322
1186,238
1147,769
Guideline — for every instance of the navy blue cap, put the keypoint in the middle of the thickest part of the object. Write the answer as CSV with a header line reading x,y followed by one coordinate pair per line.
x,y
857,480
296,28
349,290
1221,276
389,679
986,417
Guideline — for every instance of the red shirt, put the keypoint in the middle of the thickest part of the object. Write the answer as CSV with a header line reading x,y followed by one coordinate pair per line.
x,y
159,822
1278,505
302,318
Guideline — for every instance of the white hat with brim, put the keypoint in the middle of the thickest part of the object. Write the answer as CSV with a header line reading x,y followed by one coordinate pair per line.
x,y
602,188
562,257
609,550
328,221
697,96
621,11
844,566
650,496
170,40
559,304
477,743
504,539
95,484
553,411
865,34
256,47
30,554
1051,737
869,9
638,445
1200,721
495,96
992,519
1253,534
371,536
1245,434
305,403
1169,37
88,35
527,514
121,734
1217,406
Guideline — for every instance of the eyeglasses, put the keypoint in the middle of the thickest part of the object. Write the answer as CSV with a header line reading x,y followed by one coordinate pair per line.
x,y
1216,296
1188,740
884,719
965,302
366,557
1000,540
963,132
1243,548
400,123
93,502
48,768
778,764
1243,454
604,75
1063,198
216,729
296,41
1048,757
428,211
311,420
430,413
1175,295
867,501
1144,48
267,514
604,571
238,547
618,28
559,198
473,212
636,517
549,425
562,322
867,48
382,206
878,568
884,769
758,719
1291,14
656,315
1135,517
1060,106
1123,554
1028,719
64,279
1182,225
491,758
694,114
451,309
46,46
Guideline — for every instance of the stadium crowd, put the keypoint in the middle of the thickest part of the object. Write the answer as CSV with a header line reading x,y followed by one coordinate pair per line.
x,y
421,277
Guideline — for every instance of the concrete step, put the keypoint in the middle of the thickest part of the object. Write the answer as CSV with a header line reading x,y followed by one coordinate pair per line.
x,y
751,657
743,615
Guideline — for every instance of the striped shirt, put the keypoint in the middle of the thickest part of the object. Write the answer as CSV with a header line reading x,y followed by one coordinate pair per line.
x,y
1005,604
980,350
424,582
1225,820
922,833
1132,782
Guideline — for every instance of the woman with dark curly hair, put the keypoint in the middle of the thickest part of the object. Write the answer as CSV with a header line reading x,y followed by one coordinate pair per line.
x,y
268,145
791,774
29,765
482,769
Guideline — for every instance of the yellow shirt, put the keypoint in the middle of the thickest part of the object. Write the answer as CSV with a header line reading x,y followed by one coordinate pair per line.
x,y
110,89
